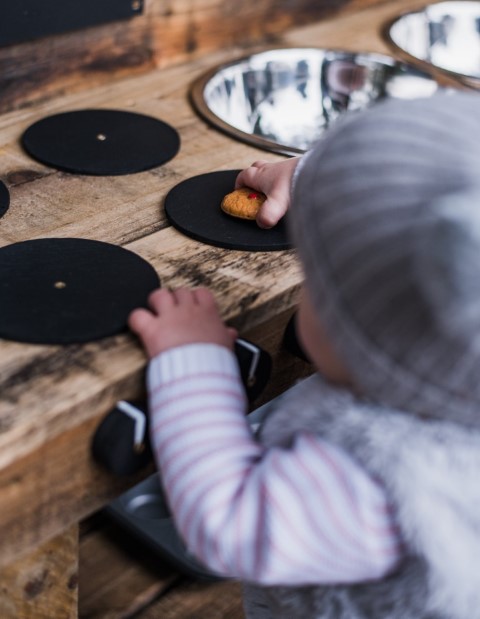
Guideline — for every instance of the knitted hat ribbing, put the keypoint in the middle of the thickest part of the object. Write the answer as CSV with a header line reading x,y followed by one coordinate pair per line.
x,y
386,220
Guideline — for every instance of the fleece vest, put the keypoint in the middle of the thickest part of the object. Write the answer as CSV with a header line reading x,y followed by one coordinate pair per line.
x,y
431,472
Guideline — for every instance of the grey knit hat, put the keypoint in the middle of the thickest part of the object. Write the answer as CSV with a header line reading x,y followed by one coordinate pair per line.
x,y
386,220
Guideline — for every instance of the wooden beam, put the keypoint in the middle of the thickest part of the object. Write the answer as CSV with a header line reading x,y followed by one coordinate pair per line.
x,y
44,584
198,600
167,33
119,577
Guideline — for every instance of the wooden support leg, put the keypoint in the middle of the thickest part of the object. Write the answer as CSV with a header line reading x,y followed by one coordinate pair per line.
x,y
44,584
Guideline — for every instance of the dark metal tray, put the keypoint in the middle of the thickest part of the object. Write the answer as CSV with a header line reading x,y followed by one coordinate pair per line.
x,y
143,512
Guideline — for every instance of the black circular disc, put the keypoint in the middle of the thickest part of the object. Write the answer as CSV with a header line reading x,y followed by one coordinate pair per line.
x,y
193,207
64,290
101,142
4,199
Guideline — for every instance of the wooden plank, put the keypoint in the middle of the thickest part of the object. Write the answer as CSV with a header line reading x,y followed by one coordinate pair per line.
x,y
79,384
196,600
49,203
57,204
118,577
50,487
167,33
86,379
121,579
31,71
43,585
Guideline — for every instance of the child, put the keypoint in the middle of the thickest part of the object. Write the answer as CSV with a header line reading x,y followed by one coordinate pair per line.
x,y
361,498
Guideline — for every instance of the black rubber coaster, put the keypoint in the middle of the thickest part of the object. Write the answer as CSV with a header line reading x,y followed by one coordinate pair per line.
x,y
62,291
4,199
101,142
193,207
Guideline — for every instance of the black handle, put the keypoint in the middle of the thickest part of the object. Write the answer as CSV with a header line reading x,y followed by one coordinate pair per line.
x,y
121,443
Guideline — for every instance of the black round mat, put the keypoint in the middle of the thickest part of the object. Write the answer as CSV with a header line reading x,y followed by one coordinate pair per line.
x,y
62,291
101,142
193,207
4,199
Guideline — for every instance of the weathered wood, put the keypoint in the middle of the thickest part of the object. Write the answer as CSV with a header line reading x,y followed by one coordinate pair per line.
x,y
195,600
49,203
45,584
53,488
118,577
169,31
50,487
52,398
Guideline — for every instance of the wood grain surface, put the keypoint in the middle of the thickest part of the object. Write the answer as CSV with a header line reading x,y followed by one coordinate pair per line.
x,y
168,32
44,585
122,579
50,393
52,398
118,577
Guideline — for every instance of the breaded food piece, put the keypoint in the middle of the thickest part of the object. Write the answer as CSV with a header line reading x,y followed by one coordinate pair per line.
x,y
244,203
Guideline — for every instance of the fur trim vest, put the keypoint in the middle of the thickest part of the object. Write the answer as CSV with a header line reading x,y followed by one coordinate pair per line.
x,y
431,470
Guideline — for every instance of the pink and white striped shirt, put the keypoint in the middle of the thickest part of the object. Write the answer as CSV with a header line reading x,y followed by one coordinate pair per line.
x,y
304,515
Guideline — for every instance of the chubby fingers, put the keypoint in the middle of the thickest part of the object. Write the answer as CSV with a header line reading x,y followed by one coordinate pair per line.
x,y
259,163
160,300
203,296
247,177
182,297
182,316
270,213
140,321
163,300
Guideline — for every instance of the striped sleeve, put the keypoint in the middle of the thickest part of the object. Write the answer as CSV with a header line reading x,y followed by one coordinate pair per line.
x,y
304,515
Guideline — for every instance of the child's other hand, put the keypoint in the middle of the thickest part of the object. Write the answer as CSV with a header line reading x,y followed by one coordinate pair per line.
x,y
184,316
274,180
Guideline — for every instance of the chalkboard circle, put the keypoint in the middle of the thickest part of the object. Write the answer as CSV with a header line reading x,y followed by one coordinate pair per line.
x,y
193,207
4,199
101,142
65,290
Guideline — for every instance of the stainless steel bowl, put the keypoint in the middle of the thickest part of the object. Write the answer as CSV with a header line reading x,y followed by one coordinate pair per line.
x,y
444,36
282,100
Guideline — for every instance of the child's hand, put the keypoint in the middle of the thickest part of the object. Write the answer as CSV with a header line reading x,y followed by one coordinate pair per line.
x,y
183,316
274,180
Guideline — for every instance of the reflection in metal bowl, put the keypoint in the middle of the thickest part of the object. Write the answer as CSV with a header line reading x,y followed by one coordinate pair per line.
x,y
444,36
282,100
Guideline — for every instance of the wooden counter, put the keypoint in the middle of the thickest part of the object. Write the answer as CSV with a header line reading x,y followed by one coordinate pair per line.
x,y
52,398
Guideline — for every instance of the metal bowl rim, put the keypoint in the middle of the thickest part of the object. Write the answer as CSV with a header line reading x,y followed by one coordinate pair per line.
x,y
454,77
199,84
